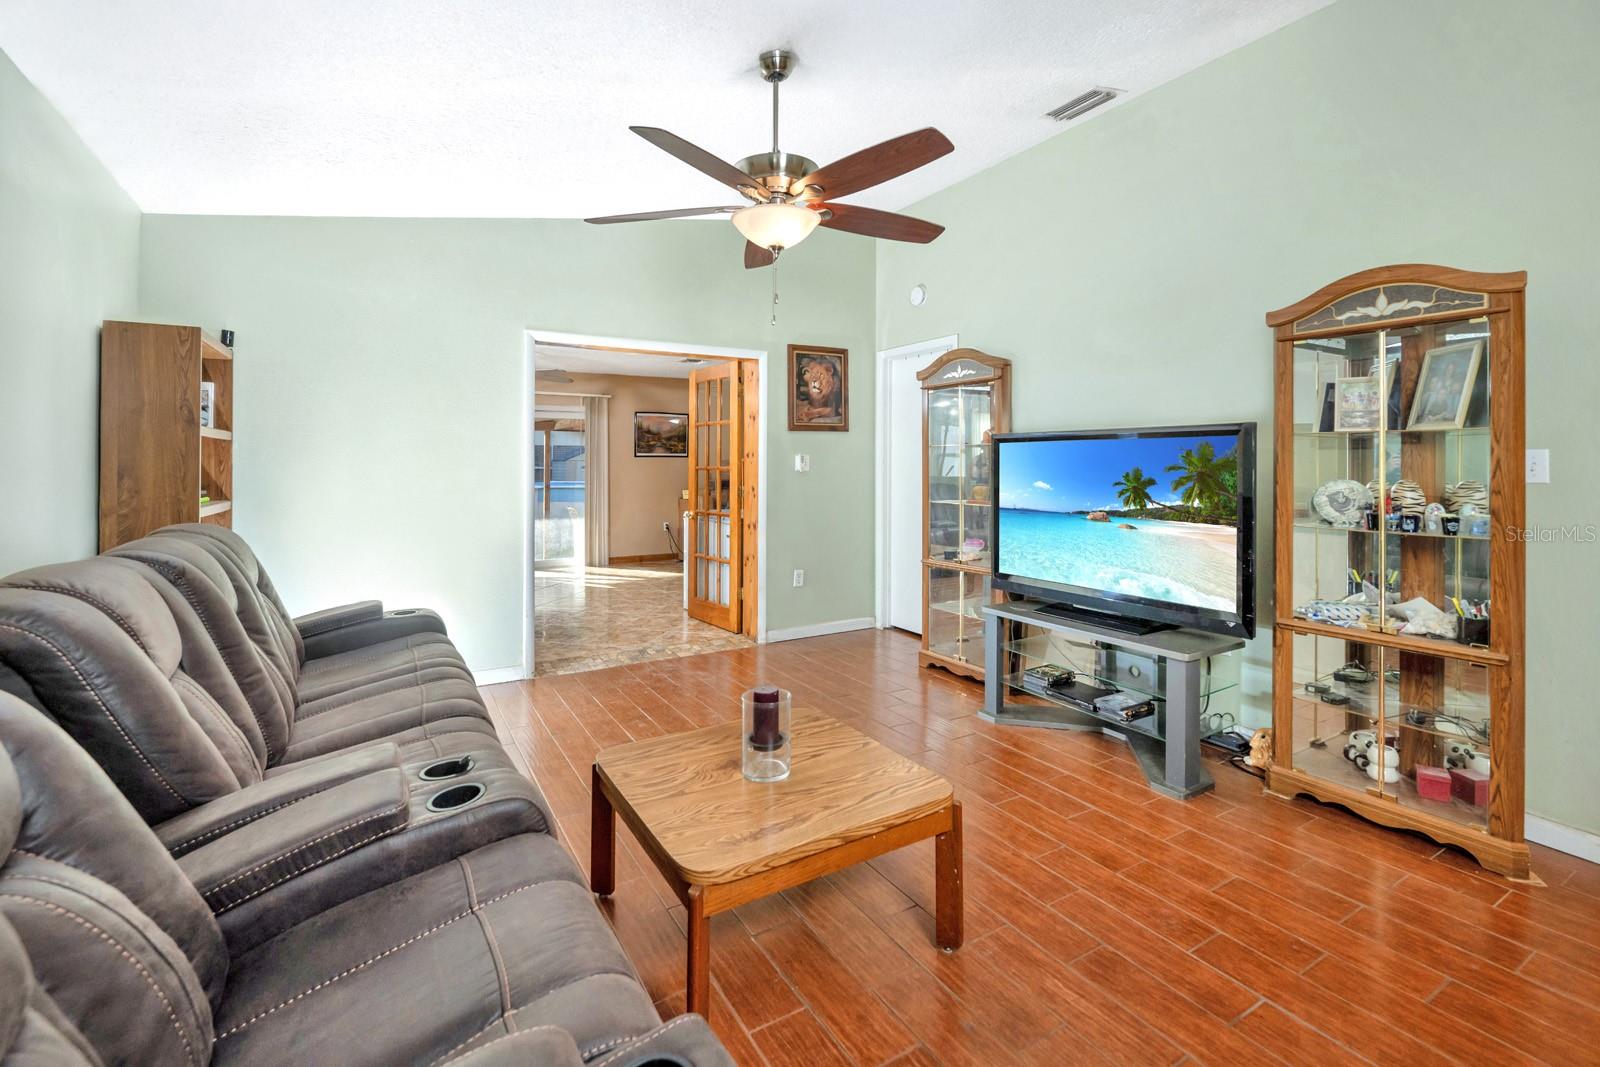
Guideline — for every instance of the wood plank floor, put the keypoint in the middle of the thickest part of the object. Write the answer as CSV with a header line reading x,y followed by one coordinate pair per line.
x,y
1105,924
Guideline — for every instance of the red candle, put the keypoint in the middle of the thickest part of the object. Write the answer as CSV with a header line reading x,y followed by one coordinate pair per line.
x,y
764,733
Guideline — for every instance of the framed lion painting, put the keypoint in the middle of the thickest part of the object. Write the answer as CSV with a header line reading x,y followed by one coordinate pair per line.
x,y
819,388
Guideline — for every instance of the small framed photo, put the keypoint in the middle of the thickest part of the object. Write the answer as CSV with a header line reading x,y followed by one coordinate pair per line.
x,y
1444,387
661,434
819,388
1357,404
208,404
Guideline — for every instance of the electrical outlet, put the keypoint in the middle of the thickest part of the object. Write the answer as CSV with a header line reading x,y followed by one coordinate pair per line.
x,y
799,579
1538,466
802,462
667,526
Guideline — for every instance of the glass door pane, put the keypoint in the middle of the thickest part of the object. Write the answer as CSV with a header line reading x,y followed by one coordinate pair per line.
x,y
559,468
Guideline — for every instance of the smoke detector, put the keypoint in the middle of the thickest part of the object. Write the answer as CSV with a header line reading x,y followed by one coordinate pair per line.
x,y
1083,103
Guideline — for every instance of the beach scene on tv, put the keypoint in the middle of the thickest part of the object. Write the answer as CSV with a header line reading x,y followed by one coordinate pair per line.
x,y
1152,517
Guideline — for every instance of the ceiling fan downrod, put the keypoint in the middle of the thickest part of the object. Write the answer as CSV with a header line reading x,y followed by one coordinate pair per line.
x,y
775,67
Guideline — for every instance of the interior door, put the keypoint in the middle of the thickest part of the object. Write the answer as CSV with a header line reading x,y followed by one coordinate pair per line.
x,y
904,555
716,558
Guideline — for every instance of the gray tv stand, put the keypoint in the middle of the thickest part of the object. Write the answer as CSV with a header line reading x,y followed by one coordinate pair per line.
x,y
1168,665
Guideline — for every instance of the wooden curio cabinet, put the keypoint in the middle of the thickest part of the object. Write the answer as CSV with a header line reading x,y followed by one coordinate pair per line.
x,y
966,397
1398,640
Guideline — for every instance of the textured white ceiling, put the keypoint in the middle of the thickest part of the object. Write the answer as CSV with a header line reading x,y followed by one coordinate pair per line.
x,y
520,108
595,361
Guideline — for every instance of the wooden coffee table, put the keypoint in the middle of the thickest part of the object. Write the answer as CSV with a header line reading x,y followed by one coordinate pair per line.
x,y
721,841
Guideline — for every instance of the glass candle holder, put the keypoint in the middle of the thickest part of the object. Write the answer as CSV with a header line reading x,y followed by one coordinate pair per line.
x,y
765,736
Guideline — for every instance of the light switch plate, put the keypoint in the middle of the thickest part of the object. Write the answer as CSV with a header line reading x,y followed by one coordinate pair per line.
x,y
799,579
802,462
1538,466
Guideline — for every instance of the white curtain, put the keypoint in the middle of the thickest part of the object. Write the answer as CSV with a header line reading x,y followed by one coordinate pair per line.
x,y
596,508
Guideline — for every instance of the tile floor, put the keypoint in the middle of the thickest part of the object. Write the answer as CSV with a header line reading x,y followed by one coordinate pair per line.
x,y
1105,924
600,617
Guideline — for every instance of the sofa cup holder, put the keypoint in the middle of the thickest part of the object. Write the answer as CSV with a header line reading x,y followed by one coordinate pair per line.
x,y
402,612
457,796
440,770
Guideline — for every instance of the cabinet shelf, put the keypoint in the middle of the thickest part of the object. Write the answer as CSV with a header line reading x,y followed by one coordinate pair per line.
x,y
1464,431
1400,642
968,608
215,507
1328,763
1328,527
212,350
215,434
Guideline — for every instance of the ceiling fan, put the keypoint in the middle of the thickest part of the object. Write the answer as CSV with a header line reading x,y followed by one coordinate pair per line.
x,y
789,195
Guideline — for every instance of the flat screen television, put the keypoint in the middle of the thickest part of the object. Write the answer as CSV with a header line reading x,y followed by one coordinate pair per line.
x,y
1149,528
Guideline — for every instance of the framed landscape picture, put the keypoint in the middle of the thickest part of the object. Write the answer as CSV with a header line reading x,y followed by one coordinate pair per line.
x,y
819,388
661,434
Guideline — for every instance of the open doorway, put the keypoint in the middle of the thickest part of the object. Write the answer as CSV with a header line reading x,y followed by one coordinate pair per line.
x,y
644,525
900,482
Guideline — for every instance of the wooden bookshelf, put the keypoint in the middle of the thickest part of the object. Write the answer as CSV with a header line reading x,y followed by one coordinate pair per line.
x,y
156,460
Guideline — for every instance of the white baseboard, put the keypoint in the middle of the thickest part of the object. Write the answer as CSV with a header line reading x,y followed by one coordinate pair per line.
x,y
1562,838
498,674
820,629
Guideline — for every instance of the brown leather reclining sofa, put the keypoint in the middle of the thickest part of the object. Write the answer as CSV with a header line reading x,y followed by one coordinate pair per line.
x,y
230,835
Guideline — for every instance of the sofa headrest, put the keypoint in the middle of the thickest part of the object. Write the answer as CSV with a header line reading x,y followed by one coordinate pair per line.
x,y
121,592
96,645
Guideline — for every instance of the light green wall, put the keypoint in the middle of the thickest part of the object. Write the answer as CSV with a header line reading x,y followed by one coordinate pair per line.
x,y
379,379
1125,265
69,251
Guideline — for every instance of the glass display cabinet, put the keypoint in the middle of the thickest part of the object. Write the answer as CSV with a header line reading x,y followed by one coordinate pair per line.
x,y
1398,651
966,397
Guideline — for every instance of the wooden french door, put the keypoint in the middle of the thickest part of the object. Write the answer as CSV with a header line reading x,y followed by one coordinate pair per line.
x,y
720,500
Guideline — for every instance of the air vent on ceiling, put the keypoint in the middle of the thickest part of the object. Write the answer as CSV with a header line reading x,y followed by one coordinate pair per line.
x,y
1083,104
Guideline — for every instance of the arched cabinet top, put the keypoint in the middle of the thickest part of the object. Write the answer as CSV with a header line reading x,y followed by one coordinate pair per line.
x,y
962,366
1385,296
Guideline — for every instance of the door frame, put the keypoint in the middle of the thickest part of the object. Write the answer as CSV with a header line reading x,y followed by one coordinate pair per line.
x,y
532,337
883,445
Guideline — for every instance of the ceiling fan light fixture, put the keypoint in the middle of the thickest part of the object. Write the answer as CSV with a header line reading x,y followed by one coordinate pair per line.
x,y
776,226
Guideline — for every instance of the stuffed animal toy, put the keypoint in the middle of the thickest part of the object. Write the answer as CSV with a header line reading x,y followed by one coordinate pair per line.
x,y
1260,749
820,382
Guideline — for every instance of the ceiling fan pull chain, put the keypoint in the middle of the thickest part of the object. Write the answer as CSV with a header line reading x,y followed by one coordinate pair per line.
x,y
774,292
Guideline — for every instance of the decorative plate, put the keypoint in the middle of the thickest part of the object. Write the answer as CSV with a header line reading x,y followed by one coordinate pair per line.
x,y
1342,501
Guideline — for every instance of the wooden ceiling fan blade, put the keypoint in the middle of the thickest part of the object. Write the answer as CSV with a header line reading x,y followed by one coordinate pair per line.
x,y
649,216
702,161
874,223
873,166
756,256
